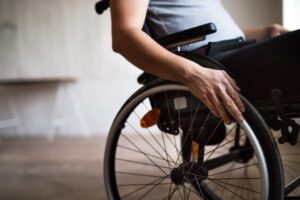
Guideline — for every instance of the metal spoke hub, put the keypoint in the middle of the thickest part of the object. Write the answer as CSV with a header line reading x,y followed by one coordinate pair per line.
x,y
191,172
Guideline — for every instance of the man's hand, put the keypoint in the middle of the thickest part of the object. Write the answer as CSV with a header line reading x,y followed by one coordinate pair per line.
x,y
264,32
219,93
276,30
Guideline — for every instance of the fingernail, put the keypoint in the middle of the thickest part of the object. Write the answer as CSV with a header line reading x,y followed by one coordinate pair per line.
x,y
243,109
240,119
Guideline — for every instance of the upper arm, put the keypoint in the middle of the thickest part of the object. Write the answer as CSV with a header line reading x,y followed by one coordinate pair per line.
x,y
127,15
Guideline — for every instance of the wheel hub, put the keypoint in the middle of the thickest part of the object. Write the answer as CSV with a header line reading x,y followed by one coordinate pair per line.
x,y
188,172
177,176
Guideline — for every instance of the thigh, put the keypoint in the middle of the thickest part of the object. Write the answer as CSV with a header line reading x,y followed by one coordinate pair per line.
x,y
260,67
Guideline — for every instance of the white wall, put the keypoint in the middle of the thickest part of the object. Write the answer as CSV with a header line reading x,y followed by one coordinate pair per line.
x,y
82,41
255,12
99,100
55,39
106,80
291,14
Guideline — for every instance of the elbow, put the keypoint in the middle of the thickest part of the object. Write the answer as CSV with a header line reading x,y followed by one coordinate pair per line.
x,y
118,42
116,45
121,39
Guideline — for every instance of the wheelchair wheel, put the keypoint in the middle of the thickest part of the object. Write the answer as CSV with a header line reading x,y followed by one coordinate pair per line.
x,y
165,144
290,156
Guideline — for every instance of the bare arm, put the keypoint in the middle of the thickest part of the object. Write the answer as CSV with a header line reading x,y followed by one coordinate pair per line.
x,y
214,87
264,32
129,40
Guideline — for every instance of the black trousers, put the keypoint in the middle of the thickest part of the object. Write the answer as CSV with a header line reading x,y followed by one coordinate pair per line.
x,y
261,67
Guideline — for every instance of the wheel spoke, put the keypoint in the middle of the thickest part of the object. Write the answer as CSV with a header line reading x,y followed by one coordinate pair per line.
x,y
190,189
141,152
144,186
151,189
152,135
234,193
145,140
188,132
145,155
170,119
142,163
136,174
237,186
171,194
163,139
178,189
219,146
234,169
139,184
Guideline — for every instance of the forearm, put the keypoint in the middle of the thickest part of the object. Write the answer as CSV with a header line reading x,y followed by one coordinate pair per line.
x,y
142,51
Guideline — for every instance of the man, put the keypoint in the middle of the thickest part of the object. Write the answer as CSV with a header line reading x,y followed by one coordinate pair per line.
x,y
214,87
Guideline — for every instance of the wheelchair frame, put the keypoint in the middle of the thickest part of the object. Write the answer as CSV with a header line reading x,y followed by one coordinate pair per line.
x,y
276,114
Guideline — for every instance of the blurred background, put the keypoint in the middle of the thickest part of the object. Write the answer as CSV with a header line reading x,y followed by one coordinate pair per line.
x,y
61,86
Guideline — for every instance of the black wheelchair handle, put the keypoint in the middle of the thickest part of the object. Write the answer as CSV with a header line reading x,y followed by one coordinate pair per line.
x,y
101,6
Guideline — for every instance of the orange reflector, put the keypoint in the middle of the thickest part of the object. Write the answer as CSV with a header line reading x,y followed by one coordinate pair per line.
x,y
195,150
150,118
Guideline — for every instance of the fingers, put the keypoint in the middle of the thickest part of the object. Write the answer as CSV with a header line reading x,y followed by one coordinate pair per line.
x,y
226,101
277,30
232,107
232,101
220,108
211,107
236,99
232,82
218,91
231,90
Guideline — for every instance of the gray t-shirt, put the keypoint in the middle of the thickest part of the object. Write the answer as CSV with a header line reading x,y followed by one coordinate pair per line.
x,y
169,16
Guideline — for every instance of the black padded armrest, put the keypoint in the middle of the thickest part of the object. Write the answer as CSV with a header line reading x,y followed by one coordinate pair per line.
x,y
145,78
187,36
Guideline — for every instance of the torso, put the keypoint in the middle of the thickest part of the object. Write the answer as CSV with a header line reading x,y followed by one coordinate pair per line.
x,y
169,16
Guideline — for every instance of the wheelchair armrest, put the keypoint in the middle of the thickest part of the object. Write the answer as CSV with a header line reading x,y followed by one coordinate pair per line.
x,y
145,78
187,36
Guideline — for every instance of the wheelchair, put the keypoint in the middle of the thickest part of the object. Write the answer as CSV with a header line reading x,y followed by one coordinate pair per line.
x,y
164,143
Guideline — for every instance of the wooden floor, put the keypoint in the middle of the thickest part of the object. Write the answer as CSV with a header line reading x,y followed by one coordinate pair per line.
x,y
36,169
